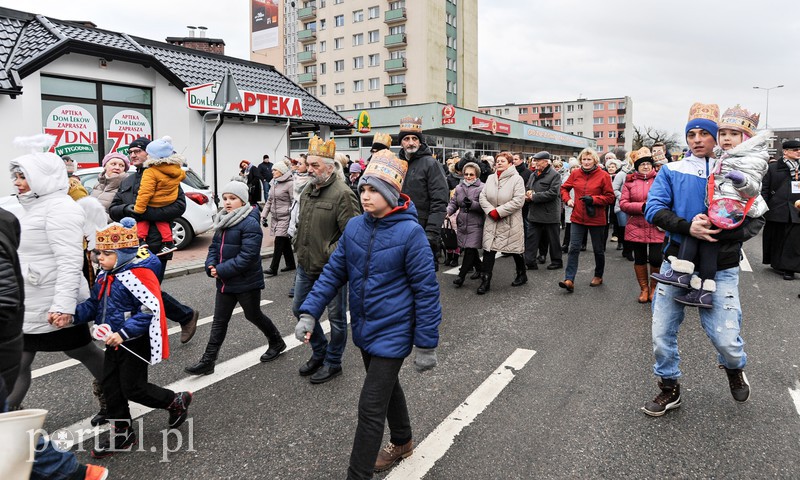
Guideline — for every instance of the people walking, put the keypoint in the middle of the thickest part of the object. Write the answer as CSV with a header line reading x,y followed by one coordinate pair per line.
x,y
781,242
115,168
543,194
276,214
470,219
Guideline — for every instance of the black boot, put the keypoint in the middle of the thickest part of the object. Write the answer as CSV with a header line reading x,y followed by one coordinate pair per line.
x,y
476,275
276,347
204,367
454,260
102,415
459,280
486,283
521,279
667,399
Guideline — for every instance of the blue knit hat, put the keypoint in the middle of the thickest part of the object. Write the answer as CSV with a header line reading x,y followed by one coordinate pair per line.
x,y
161,148
705,117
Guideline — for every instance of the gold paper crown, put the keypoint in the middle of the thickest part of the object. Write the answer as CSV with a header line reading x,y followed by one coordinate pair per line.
x,y
707,111
386,166
411,124
383,139
115,236
321,148
739,119
641,153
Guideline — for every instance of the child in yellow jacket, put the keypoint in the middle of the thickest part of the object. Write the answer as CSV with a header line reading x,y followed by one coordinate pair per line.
x,y
159,187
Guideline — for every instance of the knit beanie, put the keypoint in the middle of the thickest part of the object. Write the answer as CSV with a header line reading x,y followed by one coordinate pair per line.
x,y
237,188
161,148
281,167
703,116
385,173
140,142
118,156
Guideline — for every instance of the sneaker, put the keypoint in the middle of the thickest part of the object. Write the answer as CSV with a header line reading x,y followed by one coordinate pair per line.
x,y
179,409
678,275
391,454
166,247
94,472
669,398
737,380
701,295
614,238
117,440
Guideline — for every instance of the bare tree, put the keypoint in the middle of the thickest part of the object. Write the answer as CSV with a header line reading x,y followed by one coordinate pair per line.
x,y
644,136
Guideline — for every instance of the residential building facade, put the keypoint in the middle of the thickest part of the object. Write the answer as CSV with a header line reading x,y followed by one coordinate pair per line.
x,y
607,120
357,54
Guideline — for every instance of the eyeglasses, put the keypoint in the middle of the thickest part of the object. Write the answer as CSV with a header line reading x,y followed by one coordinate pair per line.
x,y
469,174
135,150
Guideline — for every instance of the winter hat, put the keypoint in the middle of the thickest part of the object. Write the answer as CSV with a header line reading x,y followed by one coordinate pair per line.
x,y
385,173
739,119
614,161
140,142
161,148
381,141
281,167
355,168
641,156
790,144
573,162
704,116
473,165
51,172
410,126
120,237
543,155
237,188
118,156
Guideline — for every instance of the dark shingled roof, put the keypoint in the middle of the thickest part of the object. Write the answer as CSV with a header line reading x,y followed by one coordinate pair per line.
x,y
28,42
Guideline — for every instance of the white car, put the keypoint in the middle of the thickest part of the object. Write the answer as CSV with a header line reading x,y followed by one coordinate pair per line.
x,y
201,205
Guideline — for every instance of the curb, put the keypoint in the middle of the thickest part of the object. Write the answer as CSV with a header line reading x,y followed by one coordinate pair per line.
x,y
200,267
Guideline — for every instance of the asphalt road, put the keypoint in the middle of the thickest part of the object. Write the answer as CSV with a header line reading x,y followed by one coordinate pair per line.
x,y
572,411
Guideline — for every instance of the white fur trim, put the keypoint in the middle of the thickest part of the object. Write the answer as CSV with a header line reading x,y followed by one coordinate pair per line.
x,y
709,285
174,159
682,266
696,282
35,143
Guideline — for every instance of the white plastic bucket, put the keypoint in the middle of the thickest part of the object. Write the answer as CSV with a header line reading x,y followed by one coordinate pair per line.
x,y
18,437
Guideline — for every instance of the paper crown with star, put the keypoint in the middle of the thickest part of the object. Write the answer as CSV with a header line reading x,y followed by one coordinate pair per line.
x,y
387,167
409,124
320,148
739,119
116,236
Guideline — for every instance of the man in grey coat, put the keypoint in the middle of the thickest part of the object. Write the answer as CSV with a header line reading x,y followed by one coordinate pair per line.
x,y
544,212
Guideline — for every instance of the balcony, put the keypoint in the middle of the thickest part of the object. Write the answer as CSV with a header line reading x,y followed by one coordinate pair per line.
x,y
620,139
394,89
396,40
621,126
306,57
398,15
307,78
620,111
394,65
308,13
546,115
307,35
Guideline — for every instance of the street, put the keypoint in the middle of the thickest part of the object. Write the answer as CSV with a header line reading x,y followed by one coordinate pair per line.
x,y
554,381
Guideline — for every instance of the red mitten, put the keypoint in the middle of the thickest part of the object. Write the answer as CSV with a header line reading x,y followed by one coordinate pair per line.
x,y
495,216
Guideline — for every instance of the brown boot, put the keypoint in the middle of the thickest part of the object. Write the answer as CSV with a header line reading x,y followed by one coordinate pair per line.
x,y
653,282
641,277
391,454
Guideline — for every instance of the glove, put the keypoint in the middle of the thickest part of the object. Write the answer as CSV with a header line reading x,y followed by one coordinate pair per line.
x,y
736,177
467,202
495,216
304,324
128,210
587,199
425,359
590,210
264,222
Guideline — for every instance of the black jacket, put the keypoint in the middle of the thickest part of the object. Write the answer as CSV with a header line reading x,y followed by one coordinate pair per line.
x,y
126,195
545,206
12,302
776,189
265,170
426,185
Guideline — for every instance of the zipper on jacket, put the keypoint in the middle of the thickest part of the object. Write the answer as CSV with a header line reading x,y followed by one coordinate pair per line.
x,y
366,275
221,245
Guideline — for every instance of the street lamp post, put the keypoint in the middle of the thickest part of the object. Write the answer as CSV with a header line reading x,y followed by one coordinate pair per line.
x,y
766,113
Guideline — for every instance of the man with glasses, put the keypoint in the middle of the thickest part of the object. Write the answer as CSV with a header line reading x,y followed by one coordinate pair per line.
x,y
781,190
122,206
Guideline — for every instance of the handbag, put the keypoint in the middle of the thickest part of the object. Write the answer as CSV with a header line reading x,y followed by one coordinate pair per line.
x,y
449,238
726,213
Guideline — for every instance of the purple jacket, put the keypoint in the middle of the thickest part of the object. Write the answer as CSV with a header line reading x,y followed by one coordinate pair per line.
x,y
470,220
634,196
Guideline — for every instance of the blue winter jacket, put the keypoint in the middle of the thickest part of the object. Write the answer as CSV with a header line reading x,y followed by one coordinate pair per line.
x,y
236,253
394,294
112,303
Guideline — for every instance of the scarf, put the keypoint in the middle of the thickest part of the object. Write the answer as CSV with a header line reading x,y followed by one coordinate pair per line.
x,y
793,165
589,170
227,219
469,183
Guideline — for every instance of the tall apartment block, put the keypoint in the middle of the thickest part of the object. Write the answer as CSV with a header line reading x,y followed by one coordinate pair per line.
x,y
607,120
357,54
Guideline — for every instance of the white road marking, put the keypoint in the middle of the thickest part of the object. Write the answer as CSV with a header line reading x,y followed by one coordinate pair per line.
x,y
796,397
435,445
744,265
40,372
454,271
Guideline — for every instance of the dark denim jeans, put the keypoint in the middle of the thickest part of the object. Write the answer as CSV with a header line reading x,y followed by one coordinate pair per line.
x,y
382,399
332,352
577,232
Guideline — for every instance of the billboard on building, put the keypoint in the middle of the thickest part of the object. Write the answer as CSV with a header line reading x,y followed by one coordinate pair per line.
x,y
264,24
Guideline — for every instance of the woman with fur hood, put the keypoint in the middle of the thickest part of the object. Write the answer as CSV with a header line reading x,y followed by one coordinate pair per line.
x,y
159,187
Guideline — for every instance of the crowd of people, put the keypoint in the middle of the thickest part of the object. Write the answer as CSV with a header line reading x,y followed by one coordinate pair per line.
x,y
366,237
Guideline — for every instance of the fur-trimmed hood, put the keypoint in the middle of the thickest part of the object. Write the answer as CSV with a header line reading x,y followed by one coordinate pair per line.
x,y
174,159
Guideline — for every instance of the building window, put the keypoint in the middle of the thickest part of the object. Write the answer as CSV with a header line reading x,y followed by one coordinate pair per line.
x,y
358,85
323,68
557,122
358,16
323,46
598,120
358,39
323,89
338,108
599,149
621,105
338,66
374,83
338,43
451,64
558,108
397,29
374,12
598,134
570,108
339,20
498,111
612,120
358,106
451,87
397,79
599,106
374,36
337,2
535,123
358,62
570,121
338,88
374,60
311,90
451,20
374,104
397,54
612,134
535,110
580,134
398,103
452,43
547,109
523,111
580,120
612,105
580,107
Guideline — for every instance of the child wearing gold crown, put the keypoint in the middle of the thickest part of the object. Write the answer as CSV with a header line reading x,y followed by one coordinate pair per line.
x,y
733,193
385,257
126,303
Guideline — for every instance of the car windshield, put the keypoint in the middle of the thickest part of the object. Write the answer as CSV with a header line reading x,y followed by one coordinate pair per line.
x,y
194,181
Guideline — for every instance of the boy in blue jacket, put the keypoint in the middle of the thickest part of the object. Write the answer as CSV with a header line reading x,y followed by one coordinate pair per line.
x,y
126,297
385,257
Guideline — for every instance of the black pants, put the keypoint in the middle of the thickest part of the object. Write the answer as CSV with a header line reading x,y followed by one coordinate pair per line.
x,y
471,260
125,379
173,309
223,310
488,261
283,246
703,254
382,399
542,234
644,253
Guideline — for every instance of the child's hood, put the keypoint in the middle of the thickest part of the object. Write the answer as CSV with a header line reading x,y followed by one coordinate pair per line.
x,y
176,159
754,147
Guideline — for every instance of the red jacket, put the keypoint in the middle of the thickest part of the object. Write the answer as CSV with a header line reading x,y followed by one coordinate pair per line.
x,y
597,184
634,195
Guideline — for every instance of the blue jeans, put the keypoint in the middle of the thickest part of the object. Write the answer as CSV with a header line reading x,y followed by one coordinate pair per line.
x,y
722,324
576,234
265,189
51,463
331,351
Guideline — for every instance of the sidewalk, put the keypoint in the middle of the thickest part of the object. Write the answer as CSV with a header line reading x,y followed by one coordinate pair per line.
x,y
192,259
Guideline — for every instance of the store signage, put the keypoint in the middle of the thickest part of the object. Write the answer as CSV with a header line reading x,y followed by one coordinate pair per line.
x,y
551,136
201,97
125,127
448,115
75,130
364,125
490,125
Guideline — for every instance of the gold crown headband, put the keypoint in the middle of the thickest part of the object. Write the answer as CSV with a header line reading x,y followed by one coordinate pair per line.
x,y
115,236
321,148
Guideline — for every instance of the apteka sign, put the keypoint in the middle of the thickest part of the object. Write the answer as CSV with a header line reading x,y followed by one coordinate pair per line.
x,y
201,97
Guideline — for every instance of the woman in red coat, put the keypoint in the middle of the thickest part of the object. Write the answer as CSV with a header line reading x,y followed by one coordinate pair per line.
x,y
593,193
645,239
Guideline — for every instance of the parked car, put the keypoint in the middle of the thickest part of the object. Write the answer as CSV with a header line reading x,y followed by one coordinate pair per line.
x,y
201,205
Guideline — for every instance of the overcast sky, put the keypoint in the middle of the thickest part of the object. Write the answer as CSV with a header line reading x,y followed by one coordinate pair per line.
x,y
664,55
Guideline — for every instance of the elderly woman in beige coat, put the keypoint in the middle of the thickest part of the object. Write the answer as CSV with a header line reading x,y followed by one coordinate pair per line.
x,y
277,214
502,199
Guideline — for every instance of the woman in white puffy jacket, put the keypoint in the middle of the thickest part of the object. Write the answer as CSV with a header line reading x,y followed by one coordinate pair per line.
x,y
51,259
